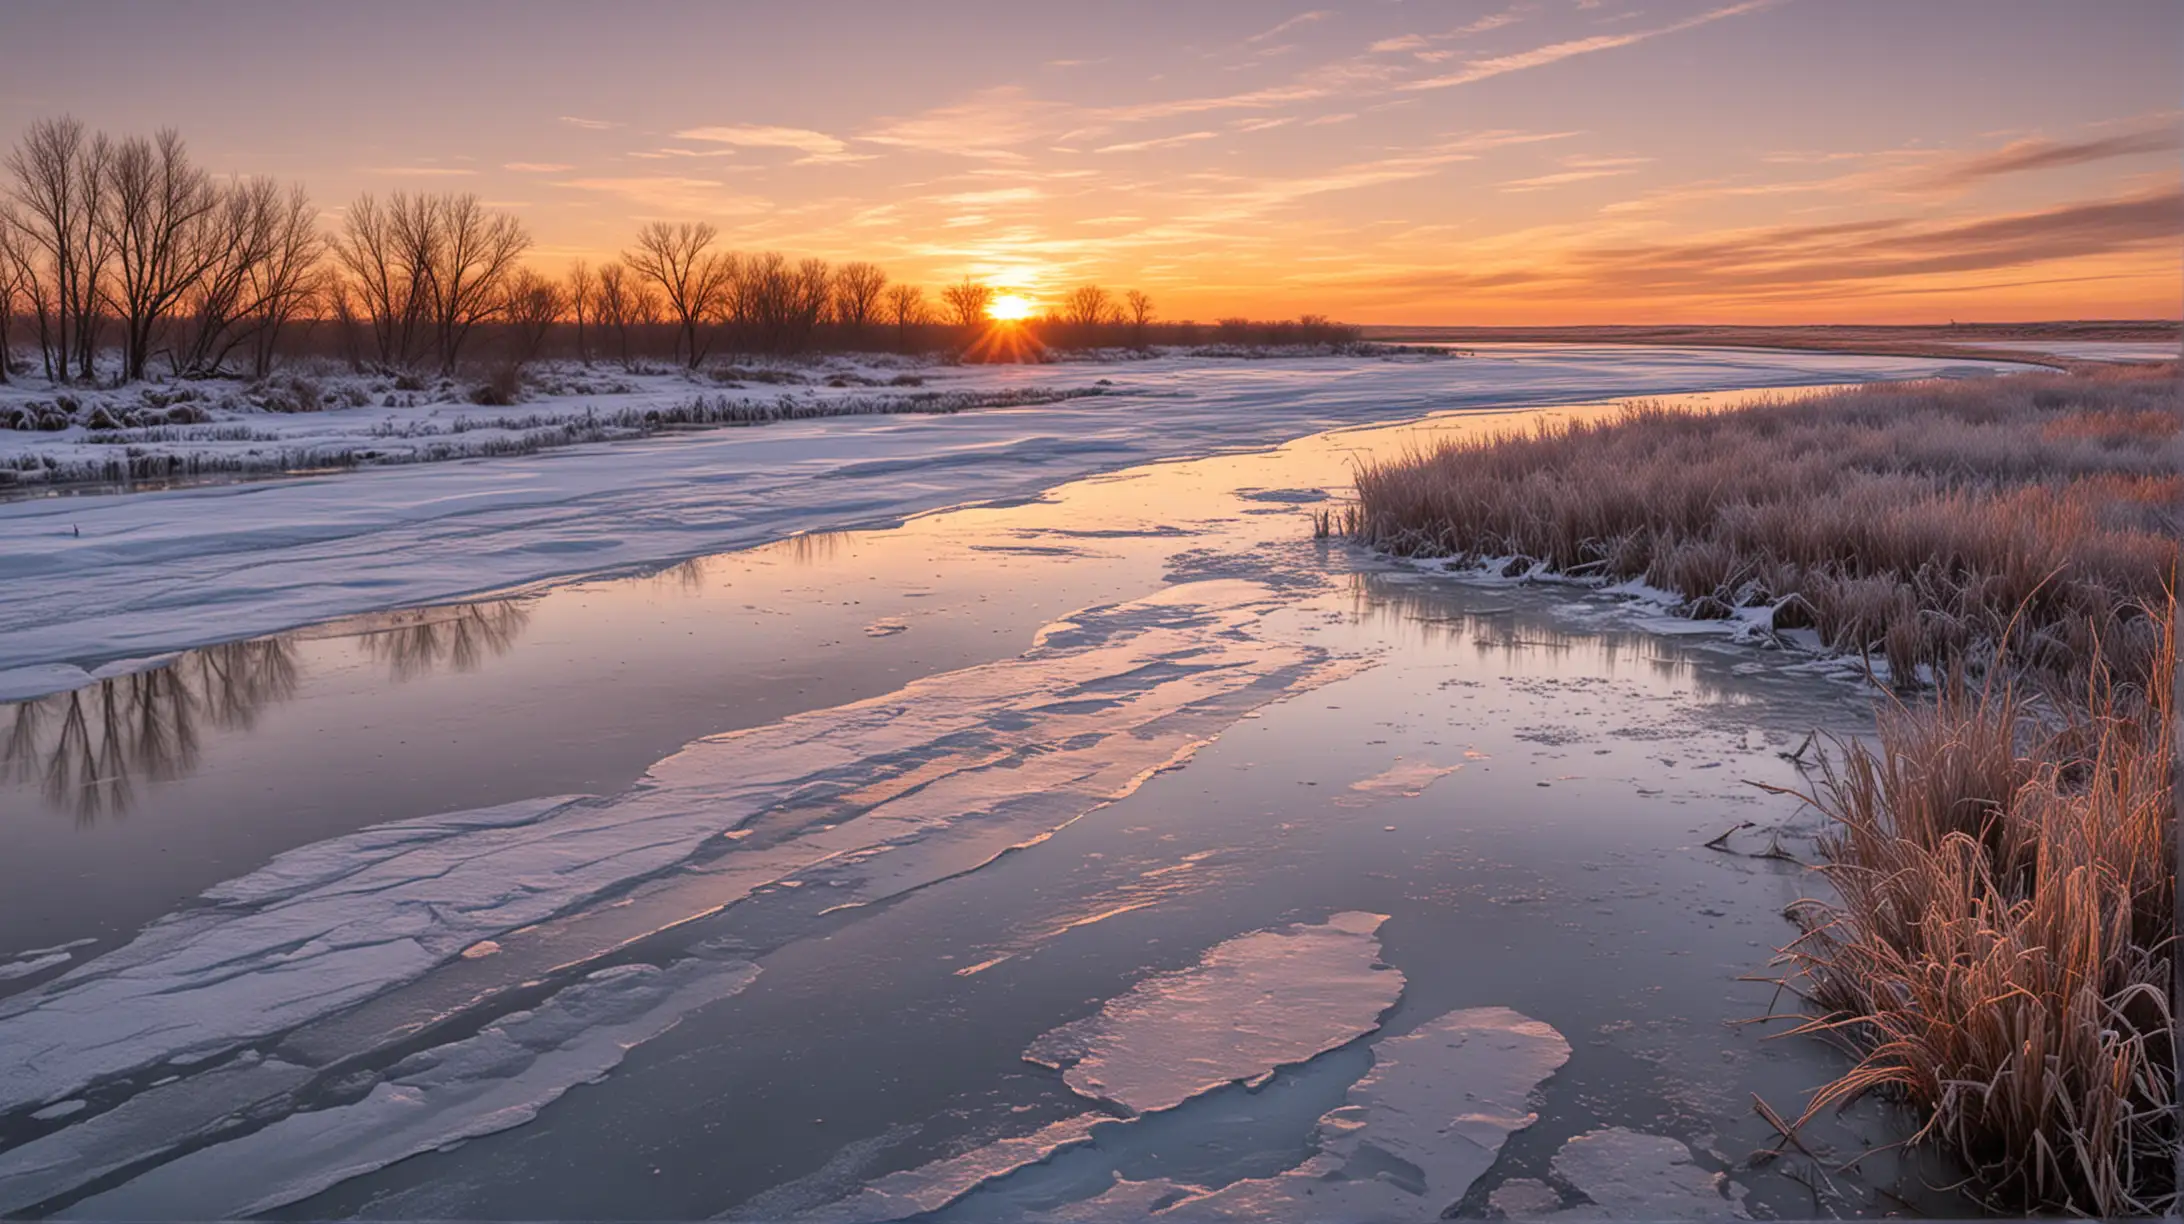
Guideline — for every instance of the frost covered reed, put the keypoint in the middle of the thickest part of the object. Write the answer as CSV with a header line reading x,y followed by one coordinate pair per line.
x,y
1909,522
1996,952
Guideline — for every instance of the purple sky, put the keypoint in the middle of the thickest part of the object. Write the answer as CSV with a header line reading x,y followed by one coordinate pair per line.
x,y
1556,161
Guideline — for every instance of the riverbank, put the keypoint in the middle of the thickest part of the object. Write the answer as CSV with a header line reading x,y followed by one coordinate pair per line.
x,y
1999,958
109,577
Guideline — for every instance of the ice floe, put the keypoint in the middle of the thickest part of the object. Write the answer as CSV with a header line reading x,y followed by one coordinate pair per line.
x,y
1251,1005
489,1082
1412,1136
868,800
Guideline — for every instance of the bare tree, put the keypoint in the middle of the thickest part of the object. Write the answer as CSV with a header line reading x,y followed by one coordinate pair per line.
x,y
811,292
477,258
531,305
290,279
580,289
906,308
264,272
692,277
857,289
967,301
762,295
14,282
386,252
1086,307
1138,310
613,306
158,220
59,174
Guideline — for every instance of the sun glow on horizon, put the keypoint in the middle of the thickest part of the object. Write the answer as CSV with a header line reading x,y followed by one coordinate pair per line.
x,y
1010,308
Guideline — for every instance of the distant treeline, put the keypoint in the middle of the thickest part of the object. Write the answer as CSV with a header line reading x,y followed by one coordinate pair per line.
x,y
126,249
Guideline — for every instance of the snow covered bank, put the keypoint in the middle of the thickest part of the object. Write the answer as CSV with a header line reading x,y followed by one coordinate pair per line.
x,y
88,580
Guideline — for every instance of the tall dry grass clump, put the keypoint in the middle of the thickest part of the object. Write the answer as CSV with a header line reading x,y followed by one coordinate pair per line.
x,y
1908,522
1997,951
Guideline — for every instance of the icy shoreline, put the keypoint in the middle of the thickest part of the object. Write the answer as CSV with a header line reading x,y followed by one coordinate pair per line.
x,y
88,581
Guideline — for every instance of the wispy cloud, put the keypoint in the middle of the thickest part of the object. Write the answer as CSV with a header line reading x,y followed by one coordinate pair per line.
x,y
2030,154
754,136
589,125
1492,21
1553,53
536,167
1165,142
420,171
1301,19
670,194
993,123
1560,178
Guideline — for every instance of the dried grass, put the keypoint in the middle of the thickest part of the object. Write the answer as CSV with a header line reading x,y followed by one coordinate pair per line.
x,y
1997,951
1909,522
1998,955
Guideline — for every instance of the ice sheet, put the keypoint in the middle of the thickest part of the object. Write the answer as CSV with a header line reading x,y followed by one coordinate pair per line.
x,y
489,1082
1408,1141
1429,1119
870,799
1252,1004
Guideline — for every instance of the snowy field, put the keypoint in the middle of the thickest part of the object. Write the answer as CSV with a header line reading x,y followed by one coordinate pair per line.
x,y
105,580
2089,350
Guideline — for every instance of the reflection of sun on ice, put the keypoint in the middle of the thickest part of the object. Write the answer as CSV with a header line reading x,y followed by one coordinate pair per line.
x,y
1010,307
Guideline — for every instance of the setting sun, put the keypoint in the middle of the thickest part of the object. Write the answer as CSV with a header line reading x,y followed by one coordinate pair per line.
x,y
1010,308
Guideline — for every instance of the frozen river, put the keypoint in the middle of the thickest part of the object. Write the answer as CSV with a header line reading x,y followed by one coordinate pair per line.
x,y
1116,850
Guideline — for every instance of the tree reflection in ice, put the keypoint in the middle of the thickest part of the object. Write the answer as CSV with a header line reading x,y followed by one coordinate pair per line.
x,y
418,641
87,750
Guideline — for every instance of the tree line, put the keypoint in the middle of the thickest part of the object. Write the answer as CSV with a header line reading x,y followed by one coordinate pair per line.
x,y
129,245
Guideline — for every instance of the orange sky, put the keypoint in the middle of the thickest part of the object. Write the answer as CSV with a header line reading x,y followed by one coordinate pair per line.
x,y
1552,161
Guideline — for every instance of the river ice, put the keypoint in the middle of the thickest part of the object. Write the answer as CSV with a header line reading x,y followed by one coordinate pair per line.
x,y
1253,1004
867,801
274,1024
96,579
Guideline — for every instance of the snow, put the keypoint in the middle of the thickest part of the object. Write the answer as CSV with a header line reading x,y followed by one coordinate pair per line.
x,y
497,1079
887,795
90,579
1252,1005
2089,350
